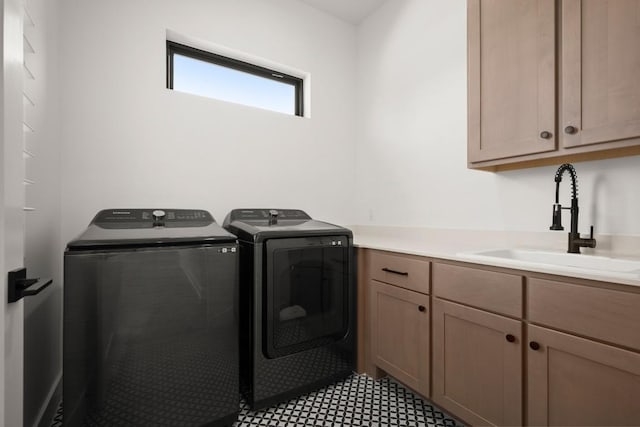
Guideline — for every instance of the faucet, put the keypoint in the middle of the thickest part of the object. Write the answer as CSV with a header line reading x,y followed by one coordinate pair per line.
x,y
575,241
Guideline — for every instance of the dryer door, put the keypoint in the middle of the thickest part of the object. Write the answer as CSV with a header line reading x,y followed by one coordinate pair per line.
x,y
306,293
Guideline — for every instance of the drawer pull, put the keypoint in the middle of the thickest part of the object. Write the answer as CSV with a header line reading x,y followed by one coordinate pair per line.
x,y
534,345
421,308
400,273
510,338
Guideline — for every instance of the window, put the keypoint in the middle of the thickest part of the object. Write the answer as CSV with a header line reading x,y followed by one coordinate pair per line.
x,y
207,74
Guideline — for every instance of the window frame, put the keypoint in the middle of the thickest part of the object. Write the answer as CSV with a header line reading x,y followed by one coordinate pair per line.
x,y
235,64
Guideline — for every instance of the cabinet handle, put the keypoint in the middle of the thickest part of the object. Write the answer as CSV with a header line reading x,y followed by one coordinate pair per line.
x,y
510,338
545,134
570,130
421,308
534,345
401,273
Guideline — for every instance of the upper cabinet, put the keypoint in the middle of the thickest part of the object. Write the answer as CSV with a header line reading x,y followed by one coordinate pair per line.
x,y
600,71
511,78
552,81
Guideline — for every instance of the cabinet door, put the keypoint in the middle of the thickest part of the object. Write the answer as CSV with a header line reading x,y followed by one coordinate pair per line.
x,y
600,71
511,68
400,334
477,364
576,381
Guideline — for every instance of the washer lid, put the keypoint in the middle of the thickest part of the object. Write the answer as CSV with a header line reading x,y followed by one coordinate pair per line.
x,y
113,228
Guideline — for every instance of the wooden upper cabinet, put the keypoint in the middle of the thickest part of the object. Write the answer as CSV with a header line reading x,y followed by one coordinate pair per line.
x,y
600,71
552,81
511,64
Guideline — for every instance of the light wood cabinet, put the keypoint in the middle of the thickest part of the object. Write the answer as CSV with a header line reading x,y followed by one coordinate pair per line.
x,y
488,290
520,113
511,78
600,71
576,381
477,354
399,335
406,271
507,347
608,315
477,364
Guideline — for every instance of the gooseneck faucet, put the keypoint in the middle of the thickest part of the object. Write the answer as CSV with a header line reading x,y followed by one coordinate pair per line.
x,y
575,241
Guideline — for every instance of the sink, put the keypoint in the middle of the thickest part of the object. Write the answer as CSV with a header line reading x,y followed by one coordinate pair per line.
x,y
560,260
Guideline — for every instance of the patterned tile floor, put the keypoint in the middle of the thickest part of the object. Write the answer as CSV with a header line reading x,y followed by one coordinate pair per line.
x,y
357,401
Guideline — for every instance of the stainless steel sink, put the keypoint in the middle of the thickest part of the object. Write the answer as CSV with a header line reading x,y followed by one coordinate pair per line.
x,y
558,260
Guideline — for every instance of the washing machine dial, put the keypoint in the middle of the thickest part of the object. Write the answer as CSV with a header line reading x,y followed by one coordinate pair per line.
x,y
158,215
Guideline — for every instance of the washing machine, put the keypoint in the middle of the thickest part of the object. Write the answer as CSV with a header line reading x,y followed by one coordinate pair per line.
x,y
297,303
150,323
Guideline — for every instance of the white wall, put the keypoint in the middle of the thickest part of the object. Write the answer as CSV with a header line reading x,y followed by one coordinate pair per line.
x,y
43,247
130,142
412,135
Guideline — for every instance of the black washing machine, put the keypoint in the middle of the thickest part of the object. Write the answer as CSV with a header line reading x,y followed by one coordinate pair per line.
x,y
297,303
150,321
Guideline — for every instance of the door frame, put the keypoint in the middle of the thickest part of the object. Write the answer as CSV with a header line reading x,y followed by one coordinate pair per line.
x,y
11,209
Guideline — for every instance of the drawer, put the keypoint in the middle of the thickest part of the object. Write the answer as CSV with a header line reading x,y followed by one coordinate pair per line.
x,y
489,290
605,314
407,271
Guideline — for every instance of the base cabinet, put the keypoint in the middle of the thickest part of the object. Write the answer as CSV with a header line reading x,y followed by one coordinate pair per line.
x,y
485,343
400,334
477,364
576,381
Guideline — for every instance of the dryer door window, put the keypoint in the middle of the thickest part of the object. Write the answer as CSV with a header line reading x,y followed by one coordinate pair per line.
x,y
306,294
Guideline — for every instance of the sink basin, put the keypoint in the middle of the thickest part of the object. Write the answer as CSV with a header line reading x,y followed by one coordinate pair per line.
x,y
561,260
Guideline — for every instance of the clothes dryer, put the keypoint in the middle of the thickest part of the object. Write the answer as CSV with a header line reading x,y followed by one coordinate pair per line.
x,y
297,303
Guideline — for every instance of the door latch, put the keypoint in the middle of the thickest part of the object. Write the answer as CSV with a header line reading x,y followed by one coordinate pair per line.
x,y
19,286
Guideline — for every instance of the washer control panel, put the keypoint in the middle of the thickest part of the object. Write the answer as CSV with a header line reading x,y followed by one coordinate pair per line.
x,y
148,218
266,214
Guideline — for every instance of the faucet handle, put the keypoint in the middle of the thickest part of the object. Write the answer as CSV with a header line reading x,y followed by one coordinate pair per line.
x,y
591,242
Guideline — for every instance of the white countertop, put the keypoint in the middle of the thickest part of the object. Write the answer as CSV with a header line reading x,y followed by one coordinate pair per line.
x,y
454,244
